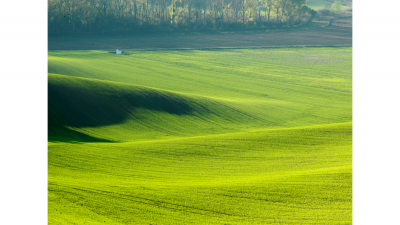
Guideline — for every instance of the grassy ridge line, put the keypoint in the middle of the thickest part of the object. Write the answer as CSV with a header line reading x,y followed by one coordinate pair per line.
x,y
133,86
327,68
269,143
210,48
110,111
76,104
113,83
237,133
286,176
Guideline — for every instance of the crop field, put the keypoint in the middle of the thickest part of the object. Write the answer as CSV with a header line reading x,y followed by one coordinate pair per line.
x,y
234,136
320,4
329,35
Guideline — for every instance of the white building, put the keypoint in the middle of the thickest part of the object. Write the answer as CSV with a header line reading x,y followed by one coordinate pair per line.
x,y
119,51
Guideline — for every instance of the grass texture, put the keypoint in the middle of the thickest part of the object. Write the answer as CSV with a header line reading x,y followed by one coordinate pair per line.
x,y
320,4
249,136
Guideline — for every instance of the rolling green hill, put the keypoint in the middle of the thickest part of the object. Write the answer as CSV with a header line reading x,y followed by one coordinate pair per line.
x,y
159,93
286,176
125,112
249,136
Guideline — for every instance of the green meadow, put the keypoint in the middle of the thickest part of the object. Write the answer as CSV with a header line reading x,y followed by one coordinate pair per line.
x,y
233,136
320,4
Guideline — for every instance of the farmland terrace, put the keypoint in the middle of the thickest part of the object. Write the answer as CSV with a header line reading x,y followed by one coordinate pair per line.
x,y
338,32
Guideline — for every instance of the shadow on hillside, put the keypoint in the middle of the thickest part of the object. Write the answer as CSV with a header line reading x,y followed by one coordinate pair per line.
x,y
64,134
94,104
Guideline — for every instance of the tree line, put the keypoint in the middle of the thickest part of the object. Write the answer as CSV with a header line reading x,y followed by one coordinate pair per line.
x,y
105,16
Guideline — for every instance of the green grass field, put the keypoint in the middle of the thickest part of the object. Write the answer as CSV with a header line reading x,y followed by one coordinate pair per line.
x,y
320,4
249,136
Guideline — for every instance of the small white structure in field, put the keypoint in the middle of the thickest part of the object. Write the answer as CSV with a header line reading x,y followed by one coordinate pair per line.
x,y
119,51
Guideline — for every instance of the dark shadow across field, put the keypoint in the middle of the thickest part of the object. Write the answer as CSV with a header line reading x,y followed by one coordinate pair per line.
x,y
64,134
79,106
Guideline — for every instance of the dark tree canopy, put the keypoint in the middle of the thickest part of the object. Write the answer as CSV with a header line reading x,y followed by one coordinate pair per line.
x,y
106,16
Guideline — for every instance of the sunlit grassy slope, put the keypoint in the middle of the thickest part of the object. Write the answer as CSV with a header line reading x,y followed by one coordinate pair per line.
x,y
320,4
185,93
251,136
215,73
286,176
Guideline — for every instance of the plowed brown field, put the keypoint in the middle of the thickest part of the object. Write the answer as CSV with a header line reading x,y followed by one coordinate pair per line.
x,y
339,32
